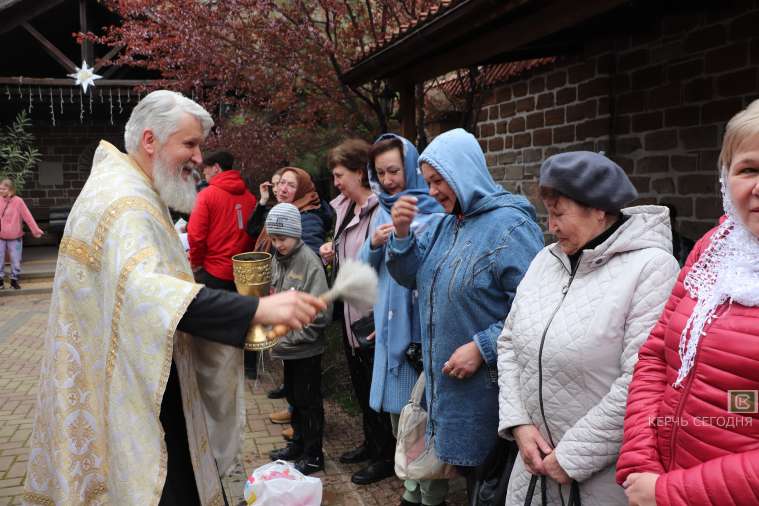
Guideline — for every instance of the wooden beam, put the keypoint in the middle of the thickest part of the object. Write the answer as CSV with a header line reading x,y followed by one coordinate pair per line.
x,y
511,35
53,51
408,111
88,52
461,20
45,81
18,13
110,54
110,71
492,28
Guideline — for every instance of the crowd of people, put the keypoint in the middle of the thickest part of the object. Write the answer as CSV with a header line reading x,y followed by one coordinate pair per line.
x,y
535,344
612,374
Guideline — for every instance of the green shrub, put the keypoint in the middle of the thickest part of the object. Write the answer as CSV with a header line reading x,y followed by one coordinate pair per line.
x,y
18,154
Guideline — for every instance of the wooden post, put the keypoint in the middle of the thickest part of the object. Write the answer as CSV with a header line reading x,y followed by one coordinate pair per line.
x,y
88,52
408,111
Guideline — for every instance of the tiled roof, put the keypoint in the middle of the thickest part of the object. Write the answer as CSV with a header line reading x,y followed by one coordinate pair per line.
x,y
423,18
495,74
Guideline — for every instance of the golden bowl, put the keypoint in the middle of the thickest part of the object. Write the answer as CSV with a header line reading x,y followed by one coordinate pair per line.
x,y
252,273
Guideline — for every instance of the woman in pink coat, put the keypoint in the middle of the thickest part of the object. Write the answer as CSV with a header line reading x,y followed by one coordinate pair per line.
x,y
13,212
691,435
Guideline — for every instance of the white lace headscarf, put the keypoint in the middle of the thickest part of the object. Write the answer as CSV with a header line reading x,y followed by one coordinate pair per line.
x,y
728,270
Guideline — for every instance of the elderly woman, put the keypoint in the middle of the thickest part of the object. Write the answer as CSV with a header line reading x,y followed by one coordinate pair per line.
x,y
569,345
296,187
466,266
692,429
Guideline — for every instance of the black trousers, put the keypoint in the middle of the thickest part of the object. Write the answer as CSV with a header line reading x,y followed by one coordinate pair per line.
x,y
179,488
303,385
201,276
378,432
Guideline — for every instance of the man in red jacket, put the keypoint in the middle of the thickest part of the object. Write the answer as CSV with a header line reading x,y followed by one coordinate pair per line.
x,y
216,230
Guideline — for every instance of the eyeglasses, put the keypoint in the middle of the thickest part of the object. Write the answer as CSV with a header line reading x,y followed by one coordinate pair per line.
x,y
291,185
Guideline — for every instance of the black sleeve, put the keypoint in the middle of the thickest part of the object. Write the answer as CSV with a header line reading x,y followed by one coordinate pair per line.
x,y
257,220
219,315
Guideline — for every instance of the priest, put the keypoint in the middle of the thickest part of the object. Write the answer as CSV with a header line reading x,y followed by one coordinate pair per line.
x,y
127,393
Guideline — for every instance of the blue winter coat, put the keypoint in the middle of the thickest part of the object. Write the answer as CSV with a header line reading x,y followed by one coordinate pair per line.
x,y
466,269
396,315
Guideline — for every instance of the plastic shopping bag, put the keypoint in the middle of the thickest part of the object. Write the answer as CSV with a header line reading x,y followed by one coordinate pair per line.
x,y
279,483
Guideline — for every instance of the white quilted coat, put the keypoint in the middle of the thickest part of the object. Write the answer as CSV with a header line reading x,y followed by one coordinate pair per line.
x,y
592,336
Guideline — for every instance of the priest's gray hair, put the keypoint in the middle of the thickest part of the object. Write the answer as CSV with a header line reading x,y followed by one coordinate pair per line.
x,y
161,111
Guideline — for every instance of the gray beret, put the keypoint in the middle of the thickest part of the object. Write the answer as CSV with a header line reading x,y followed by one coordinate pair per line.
x,y
588,178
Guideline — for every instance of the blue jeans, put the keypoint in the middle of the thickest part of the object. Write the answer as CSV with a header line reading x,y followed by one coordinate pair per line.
x,y
13,247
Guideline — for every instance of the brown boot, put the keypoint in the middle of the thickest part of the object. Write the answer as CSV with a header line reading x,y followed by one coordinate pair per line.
x,y
283,416
288,433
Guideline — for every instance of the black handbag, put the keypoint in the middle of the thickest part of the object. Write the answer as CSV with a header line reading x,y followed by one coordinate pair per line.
x,y
492,476
414,357
362,329
574,492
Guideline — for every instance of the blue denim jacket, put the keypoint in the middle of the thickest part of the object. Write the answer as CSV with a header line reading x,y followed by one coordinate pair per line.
x,y
466,269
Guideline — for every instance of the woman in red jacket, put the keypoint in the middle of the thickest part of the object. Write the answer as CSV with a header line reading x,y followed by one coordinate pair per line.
x,y
691,432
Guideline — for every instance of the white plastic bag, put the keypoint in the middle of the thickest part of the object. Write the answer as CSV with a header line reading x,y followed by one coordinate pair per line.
x,y
279,483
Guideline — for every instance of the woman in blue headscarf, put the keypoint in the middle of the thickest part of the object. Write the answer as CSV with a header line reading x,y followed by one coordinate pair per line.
x,y
394,172
466,266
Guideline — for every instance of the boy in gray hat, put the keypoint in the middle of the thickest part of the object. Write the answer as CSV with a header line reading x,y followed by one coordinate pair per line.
x,y
296,267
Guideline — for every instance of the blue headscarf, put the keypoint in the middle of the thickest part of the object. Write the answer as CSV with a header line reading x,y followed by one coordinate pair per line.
x,y
415,184
458,158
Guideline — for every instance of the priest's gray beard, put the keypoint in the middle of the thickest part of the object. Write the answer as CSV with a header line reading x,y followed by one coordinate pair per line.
x,y
175,192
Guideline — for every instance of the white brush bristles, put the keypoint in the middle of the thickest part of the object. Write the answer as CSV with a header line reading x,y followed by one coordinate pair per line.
x,y
355,284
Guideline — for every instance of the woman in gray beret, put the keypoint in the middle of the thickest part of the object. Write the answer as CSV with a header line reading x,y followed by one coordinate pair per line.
x,y
570,342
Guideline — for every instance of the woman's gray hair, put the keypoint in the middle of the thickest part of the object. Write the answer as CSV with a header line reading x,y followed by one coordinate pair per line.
x,y
161,112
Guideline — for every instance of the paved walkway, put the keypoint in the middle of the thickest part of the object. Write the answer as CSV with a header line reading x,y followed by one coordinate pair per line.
x,y
23,319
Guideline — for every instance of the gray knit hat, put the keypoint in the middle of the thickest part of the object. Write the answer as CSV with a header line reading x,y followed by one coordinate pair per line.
x,y
588,178
284,219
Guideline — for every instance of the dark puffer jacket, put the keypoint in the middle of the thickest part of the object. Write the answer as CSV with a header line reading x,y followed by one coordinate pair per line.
x,y
315,224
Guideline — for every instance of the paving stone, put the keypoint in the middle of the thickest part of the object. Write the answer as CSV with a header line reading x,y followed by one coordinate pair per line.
x,y
21,353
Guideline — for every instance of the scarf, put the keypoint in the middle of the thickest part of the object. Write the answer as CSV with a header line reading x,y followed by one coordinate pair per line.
x,y
727,271
415,185
306,199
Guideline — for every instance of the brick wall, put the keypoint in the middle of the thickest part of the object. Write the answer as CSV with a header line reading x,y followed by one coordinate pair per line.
x,y
72,146
656,102
70,143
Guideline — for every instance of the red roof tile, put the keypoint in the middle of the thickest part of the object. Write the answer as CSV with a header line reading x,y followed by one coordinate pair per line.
x,y
495,74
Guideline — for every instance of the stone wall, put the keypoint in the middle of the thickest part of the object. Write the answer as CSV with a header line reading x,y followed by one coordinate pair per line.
x,y
656,102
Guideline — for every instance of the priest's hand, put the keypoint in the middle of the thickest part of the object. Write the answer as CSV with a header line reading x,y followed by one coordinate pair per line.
x,y
291,308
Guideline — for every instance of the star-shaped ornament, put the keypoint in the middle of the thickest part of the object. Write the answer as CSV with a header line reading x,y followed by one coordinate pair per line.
x,y
85,76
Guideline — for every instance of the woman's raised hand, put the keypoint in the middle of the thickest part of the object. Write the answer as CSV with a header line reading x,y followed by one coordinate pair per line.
x,y
264,189
403,213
